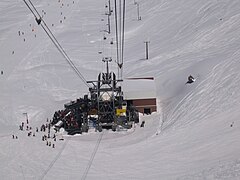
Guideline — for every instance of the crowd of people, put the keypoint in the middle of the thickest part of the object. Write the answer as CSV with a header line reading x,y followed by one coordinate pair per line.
x,y
24,35
46,132
68,117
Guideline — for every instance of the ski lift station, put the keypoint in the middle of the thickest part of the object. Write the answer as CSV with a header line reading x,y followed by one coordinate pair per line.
x,y
111,102
144,98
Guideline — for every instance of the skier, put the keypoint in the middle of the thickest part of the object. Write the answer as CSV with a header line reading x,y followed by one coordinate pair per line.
x,y
142,124
43,128
191,79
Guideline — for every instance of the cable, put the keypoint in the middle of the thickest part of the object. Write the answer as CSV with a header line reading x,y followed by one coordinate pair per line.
x,y
62,51
116,23
120,32
123,34
67,58
29,8
55,41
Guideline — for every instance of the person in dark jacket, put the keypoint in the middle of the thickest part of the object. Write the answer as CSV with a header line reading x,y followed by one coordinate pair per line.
x,y
191,79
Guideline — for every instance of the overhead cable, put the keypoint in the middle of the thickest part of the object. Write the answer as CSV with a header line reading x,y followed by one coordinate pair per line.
x,y
120,28
116,24
54,40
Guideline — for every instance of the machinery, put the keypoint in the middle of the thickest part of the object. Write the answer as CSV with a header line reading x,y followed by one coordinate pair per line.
x,y
104,107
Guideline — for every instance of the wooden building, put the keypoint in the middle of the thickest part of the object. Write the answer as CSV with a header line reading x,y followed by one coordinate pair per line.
x,y
141,93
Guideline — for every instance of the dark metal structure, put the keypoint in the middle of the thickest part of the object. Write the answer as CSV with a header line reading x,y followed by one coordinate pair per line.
x,y
105,107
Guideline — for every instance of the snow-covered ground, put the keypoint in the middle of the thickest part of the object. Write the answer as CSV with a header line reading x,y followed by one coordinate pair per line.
x,y
194,135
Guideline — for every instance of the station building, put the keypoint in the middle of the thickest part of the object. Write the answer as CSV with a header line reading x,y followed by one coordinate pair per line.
x,y
141,93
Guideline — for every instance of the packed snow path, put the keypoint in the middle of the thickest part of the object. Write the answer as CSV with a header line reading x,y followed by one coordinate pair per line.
x,y
84,176
55,159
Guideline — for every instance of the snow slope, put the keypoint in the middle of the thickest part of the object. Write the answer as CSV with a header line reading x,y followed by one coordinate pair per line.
x,y
195,134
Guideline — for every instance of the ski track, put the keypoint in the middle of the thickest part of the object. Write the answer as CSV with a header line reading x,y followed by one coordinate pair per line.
x,y
55,159
84,176
166,124
230,170
208,96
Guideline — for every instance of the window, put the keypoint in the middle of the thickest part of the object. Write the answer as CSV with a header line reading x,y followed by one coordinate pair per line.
x,y
147,111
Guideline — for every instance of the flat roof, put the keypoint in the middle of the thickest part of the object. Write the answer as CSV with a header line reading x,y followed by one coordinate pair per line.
x,y
137,88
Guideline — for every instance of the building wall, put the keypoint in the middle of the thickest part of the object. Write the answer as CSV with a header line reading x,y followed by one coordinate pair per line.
x,y
143,104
